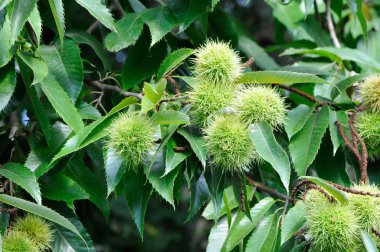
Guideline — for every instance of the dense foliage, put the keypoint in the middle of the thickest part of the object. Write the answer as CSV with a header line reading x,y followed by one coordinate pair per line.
x,y
118,116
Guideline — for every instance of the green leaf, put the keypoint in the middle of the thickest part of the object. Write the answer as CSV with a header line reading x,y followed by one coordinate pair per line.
x,y
208,213
293,221
334,116
173,60
368,242
217,235
279,77
305,144
41,211
196,142
199,193
4,3
36,23
267,147
296,119
186,11
160,21
216,181
335,192
170,117
362,19
173,159
264,236
61,103
114,168
137,202
129,30
88,111
7,84
19,14
99,11
6,49
23,177
82,37
39,68
57,10
242,226
65,64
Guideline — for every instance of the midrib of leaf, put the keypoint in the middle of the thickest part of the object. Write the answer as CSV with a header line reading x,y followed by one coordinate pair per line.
x,y
266,144
57,20
62,67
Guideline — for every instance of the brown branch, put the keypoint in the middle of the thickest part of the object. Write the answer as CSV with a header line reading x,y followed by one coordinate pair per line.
x,y
174,98
105,87
182,148
377,233
319,189
299,92
297,188
242,197
263,188
175,84
300,231
353,191
330,25
248,63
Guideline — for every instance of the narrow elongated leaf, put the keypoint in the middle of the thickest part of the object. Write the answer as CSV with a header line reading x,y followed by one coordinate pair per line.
x,y
170,117
129,29
297,118
39,68
336,193
7,84
36,23
279,77
99,11
264,236
197,143
362,19
114,169
41,211
369,243
305,144
21,11
58,12
61,103
6,49
23,177
173,60
199,194
217,235
293,221
267,147
186,11
242,226
66,66
216,180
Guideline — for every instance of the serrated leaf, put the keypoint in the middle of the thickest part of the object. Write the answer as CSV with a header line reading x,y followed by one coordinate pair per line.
x,y
368,242
217,235
6,49
41,211
61,103
186,11
20,13
196,142
242,226
305,144
39,68
335,192
170,117
264,236
129,30
114,168
279,77
23,177
160,21
7,84
297,118
88,111
173,60
293,221
36,23
99,11
173,159
65,64
216,180
199,194
58,12
81,37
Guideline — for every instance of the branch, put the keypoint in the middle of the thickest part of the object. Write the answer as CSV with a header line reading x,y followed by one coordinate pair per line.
x,y
299,92
330,25
263,188
105,87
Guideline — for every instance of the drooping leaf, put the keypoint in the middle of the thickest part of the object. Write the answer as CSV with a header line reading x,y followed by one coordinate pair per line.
x,y
196,142
293,221
20,13
297,118
36,23
7,84
369,243
199,195
362,19
61,103
186,11
265,235
6,49
170,117
58,12
88,111
279,77
41,211
23,177
216,180
39,68
336,193
129,29
217,235
173,60
99,11
65,64
114,168
305,144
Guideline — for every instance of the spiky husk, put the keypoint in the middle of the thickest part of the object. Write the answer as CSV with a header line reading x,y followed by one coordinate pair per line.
x,y
216,62
260,103
132,137
208,98
228,143
18,242
369,91
333,228
36,229
314,200
368,126
366,208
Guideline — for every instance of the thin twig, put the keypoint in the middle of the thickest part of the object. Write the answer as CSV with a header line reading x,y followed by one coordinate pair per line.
x,y
299,92
177,89
263,188
330,25
242,197
248,63
105,87
182,148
